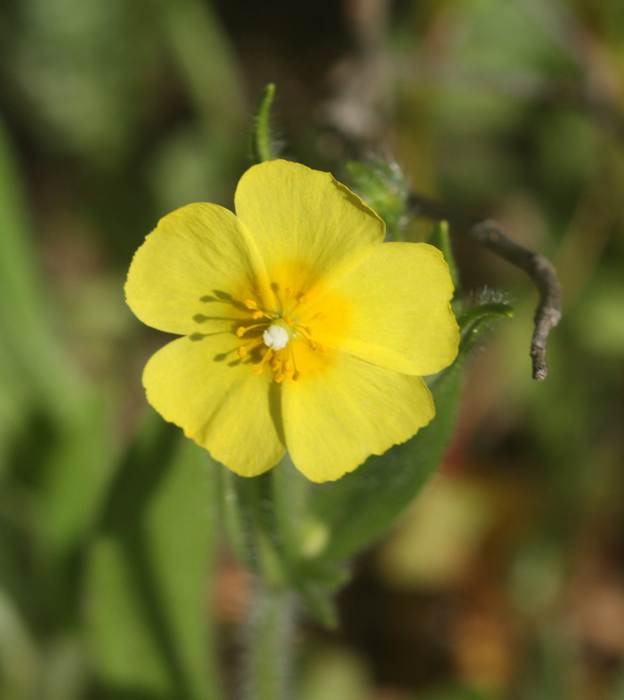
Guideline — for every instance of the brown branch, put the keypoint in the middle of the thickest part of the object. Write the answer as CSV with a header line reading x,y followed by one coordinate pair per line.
x,y
491,235
544,276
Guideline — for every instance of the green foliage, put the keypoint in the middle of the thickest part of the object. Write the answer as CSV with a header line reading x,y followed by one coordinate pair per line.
x,y
500,117
76,473
78,69
148,546
18,654
149,572
30,341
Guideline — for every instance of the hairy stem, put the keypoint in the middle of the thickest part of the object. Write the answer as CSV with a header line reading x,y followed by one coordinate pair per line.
x,y
262,141
268,644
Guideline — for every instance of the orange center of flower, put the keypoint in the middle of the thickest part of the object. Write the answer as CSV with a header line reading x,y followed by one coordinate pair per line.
x,y
292,329
281,338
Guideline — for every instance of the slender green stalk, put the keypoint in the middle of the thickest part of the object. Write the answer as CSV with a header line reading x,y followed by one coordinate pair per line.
x,y
441,238
262,140
247,508
268,644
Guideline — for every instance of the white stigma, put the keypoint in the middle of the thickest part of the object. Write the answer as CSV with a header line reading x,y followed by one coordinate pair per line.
x,y
276,337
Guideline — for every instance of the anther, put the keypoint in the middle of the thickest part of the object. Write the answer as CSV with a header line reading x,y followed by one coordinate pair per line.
x,y
259,368
244,350
241,330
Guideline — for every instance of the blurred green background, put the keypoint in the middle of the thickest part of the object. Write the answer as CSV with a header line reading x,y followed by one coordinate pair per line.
x,y
506,578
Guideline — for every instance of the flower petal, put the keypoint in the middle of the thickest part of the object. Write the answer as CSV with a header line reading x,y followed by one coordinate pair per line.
x,y
400,315
304,217
218,401
190,267
335,419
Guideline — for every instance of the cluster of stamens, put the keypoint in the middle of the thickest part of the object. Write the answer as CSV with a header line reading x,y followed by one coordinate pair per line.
x,y
270,337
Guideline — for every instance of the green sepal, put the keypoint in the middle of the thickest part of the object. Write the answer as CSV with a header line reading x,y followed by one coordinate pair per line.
x,y
476,320
383,187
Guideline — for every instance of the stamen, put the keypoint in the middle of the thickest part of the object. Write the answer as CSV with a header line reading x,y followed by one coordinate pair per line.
x,y
258,369
305,332
244,350
241,330
273,330
295,371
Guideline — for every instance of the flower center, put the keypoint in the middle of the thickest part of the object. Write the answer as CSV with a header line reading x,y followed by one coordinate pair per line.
x,y
271,336
291,334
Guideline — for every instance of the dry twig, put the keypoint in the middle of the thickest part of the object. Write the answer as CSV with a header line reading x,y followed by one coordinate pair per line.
x,y
491,235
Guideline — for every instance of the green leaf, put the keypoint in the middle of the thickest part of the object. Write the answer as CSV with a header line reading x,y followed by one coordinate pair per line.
x,y
78,467
357,509
19,658
30,342
149,573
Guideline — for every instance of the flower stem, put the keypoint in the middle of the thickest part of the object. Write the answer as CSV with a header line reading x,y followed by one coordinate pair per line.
x,y
256,518
268,644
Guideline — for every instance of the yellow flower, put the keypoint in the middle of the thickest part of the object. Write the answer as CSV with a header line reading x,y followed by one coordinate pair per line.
x,y
302,330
